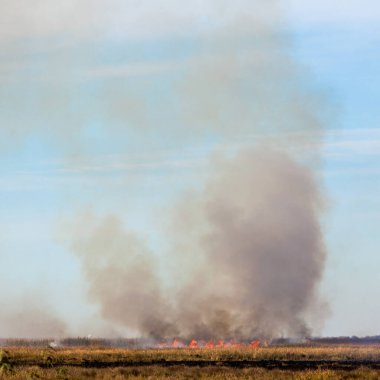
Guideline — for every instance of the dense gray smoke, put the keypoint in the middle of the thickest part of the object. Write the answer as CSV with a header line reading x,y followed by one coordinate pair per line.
x,y
122,276
253,242
247,255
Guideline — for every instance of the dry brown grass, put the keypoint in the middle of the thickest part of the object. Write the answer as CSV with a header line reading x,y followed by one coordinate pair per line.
x,y
28,363
181,372
79,355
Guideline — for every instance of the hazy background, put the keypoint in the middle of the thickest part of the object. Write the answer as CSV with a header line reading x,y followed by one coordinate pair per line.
x,y
90,126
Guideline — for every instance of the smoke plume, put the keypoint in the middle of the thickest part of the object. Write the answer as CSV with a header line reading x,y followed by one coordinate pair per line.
x,y
245,249
113,257
246,256
253,241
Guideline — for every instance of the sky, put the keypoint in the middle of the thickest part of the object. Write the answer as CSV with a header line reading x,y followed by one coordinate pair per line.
x,y
92,98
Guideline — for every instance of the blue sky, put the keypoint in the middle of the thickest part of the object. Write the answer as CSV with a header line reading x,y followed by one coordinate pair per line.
x,y
89,121
343,58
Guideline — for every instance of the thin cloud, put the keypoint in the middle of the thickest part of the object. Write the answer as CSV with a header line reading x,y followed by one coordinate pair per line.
x,y
352,143
349,13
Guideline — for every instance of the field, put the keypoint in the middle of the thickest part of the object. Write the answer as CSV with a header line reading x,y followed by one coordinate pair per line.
x,y
284,362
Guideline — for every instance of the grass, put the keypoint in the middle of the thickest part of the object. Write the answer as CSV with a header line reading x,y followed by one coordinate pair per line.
x,y
179,372
80,363
79,355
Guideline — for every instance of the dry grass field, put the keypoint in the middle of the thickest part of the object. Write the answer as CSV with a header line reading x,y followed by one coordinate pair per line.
x,y
285,362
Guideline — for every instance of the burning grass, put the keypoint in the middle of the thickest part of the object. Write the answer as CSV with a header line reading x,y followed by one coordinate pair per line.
x,y
78,356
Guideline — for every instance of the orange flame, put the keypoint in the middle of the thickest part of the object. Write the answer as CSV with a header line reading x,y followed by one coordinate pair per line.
x,y
193,344
175,343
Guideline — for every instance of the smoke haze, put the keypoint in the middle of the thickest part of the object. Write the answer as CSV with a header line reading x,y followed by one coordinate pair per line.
x,y
31,319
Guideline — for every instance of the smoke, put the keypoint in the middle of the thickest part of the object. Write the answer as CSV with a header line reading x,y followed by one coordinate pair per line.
x,y
113,257
254,238
235,67
244,251
247,254
31,319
